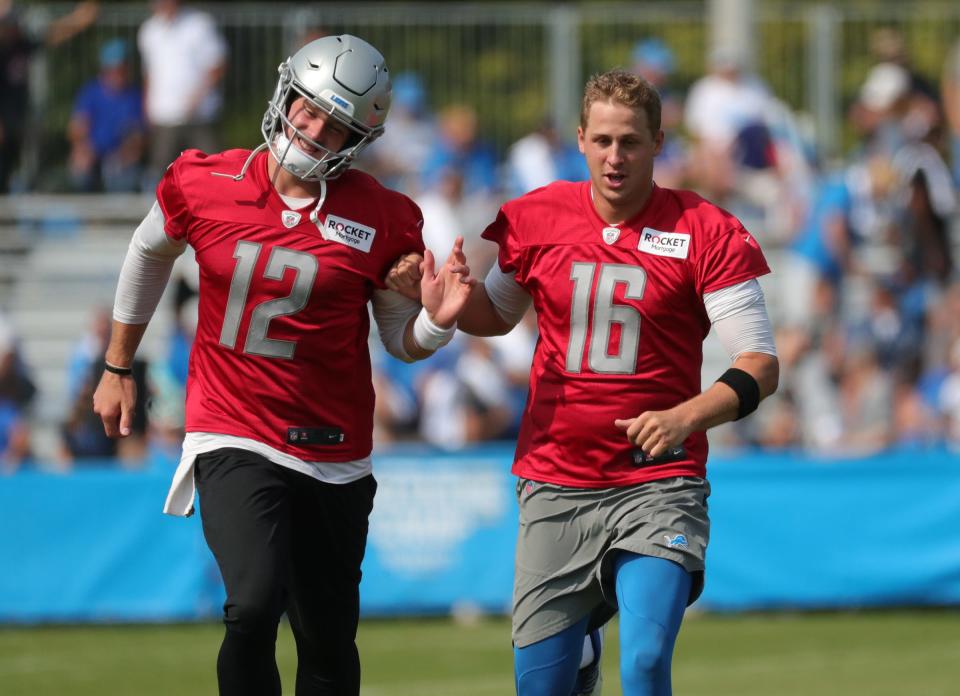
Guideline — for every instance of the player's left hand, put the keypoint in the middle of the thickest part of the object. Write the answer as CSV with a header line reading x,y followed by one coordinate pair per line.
x,y
444,293
655,432
404,276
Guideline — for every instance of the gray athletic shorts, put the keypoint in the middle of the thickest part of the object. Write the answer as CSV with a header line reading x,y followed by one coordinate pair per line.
x,y
569,536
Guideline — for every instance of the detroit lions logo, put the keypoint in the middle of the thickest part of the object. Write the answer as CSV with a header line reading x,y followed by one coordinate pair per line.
x,y
676,542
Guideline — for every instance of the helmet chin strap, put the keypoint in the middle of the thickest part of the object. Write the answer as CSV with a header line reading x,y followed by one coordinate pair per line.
x,y
315,213
244,168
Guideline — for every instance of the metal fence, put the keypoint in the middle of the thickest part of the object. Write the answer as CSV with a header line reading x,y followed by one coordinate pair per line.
x,y
514,62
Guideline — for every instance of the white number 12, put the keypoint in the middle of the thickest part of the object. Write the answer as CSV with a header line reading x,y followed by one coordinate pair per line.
x,y
281,258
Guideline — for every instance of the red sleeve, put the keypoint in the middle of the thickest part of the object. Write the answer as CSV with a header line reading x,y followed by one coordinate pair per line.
x,y
733,258
503,233
408,238
413,235
173,203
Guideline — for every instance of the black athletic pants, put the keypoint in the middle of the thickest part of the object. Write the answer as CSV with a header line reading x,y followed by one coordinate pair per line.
x,y
285,542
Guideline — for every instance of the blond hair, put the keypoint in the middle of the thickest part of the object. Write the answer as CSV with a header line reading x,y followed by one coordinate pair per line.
x,y
624,88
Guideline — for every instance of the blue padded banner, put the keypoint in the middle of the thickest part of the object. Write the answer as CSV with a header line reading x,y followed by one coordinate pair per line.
x,y
788,532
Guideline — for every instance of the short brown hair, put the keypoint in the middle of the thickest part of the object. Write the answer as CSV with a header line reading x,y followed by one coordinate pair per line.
x,y
626,88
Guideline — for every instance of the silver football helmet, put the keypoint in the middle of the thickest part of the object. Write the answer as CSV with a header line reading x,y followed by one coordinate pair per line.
x,y
345,77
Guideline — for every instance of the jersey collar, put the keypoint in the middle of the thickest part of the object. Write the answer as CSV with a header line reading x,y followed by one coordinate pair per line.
x,y
648,210
273,198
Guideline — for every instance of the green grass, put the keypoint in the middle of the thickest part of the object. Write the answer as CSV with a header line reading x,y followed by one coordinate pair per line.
x,y
848,654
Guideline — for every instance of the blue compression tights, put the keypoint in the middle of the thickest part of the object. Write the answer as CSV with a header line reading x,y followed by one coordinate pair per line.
x,y
652,594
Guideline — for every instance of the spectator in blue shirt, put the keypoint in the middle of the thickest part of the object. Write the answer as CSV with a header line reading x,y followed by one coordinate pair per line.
x,y
107,127
459,147
655,62
542,157
820,255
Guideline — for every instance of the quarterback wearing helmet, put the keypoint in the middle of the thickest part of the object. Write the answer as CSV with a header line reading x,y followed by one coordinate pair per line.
x,y
292,244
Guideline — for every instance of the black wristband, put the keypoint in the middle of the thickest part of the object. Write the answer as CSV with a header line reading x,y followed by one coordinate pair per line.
x,y
117,370
746,387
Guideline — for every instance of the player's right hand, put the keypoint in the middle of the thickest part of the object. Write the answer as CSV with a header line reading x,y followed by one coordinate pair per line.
x,y
444,293
655,432
114,402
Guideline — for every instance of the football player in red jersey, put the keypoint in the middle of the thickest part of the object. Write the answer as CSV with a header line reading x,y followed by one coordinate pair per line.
x,y
291,244
626,279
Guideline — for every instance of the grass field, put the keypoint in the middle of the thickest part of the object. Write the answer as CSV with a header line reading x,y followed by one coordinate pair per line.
x,y
848,654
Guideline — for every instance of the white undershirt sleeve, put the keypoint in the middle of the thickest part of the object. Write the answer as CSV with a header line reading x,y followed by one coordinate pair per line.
x,y
509,300
392,312
739,315
146,270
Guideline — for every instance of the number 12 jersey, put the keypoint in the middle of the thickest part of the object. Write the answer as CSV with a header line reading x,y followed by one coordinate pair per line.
x,y
280,354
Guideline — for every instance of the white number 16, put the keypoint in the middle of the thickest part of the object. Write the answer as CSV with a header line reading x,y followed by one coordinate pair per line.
x,y
605,314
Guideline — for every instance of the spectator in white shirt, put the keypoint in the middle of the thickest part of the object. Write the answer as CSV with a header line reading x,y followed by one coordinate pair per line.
x,y
184,61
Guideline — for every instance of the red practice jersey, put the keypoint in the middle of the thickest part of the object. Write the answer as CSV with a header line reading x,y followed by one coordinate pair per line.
x,y
281,339
621,320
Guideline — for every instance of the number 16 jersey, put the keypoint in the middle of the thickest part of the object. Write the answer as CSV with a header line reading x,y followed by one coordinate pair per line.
x,y
621,323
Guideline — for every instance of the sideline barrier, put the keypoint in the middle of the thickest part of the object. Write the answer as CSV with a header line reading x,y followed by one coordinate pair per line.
x,y
789,532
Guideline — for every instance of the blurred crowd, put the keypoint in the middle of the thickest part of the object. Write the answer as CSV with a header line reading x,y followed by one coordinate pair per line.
x,y
865,294
124,129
